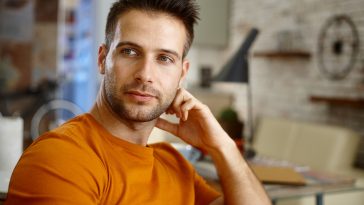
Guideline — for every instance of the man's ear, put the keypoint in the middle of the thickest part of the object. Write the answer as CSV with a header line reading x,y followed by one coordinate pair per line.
x,y
102,58
185,68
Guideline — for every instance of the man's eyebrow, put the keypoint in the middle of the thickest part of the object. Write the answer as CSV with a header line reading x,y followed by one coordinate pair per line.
x,y
129,43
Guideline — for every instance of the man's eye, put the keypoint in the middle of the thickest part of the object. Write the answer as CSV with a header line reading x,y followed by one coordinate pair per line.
x,y
166,59
129,52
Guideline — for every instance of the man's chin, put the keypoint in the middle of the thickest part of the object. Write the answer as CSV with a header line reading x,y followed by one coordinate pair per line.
x,y
139,118
138,115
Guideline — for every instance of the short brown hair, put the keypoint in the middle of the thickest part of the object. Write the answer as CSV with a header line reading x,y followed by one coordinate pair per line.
x,y
184,10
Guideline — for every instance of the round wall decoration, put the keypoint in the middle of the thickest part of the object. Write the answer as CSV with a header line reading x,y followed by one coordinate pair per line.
x,y
338,47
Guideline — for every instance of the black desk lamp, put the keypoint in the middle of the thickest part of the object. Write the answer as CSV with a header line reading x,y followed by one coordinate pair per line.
x,y
237,70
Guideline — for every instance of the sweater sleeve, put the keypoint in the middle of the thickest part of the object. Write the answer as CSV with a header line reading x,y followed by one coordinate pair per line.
x,y
56,171
205,194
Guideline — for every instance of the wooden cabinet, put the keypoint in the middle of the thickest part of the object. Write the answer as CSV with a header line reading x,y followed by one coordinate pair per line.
x,y
339,101
283,54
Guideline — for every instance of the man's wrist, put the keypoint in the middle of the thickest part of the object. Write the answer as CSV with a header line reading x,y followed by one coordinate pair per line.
x,y
222,149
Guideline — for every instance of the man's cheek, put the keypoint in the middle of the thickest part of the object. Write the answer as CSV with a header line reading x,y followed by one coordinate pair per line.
x,y
170,99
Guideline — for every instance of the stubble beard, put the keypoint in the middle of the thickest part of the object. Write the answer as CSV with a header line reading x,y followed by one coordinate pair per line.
x,y
140,111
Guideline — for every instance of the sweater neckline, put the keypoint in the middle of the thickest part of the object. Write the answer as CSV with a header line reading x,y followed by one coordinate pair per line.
x,y
135,149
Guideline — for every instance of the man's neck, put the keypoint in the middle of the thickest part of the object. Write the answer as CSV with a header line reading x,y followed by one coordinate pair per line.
x,y
131,131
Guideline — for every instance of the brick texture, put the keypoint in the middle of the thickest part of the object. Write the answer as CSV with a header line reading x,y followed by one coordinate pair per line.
x,y
283,86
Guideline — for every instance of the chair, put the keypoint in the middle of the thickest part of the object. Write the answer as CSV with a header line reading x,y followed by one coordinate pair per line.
x,y
319,146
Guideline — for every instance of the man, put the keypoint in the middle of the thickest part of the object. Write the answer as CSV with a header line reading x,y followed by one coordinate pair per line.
x,y
103,158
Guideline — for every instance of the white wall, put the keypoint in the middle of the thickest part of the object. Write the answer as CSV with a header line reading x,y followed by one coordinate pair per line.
x,y
102,9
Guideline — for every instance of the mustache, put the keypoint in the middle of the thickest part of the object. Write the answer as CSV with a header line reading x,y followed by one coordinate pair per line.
x,y
135,86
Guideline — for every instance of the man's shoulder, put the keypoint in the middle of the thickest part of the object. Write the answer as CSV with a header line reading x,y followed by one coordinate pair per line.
x,y
63,145
74,129
76,126
56,161
71,136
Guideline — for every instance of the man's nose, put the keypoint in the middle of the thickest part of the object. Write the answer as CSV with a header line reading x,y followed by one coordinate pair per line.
x,y
144,73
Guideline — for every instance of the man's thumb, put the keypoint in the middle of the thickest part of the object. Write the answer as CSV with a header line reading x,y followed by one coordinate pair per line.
x,y
167,126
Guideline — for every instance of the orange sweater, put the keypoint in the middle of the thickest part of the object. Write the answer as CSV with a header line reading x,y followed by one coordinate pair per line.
x,y
80,163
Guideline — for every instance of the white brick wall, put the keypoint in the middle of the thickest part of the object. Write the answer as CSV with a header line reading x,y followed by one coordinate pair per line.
x,y
282,86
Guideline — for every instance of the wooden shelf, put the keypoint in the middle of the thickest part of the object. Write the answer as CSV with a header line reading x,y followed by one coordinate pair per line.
x,y
282,54
339,101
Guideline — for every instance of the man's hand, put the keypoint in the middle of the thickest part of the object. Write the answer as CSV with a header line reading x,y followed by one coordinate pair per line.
x,y
197,125
199,128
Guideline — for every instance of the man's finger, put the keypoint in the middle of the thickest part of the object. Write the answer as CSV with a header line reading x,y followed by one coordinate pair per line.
x,y
169,111
178,100
167,126
186,107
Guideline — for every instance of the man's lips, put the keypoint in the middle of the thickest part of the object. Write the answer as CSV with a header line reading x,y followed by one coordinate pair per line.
x,y
140,96
143,94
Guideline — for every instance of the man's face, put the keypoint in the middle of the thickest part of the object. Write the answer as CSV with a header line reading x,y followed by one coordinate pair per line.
x,y
143,66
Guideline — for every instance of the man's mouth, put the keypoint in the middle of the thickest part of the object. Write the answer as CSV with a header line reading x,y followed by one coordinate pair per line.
x,y
140,96
144,94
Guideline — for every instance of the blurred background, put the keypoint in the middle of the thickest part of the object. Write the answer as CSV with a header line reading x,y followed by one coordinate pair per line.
x,y
305,68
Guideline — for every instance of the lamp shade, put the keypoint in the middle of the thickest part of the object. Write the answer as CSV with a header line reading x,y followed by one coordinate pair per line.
x,y
236,69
